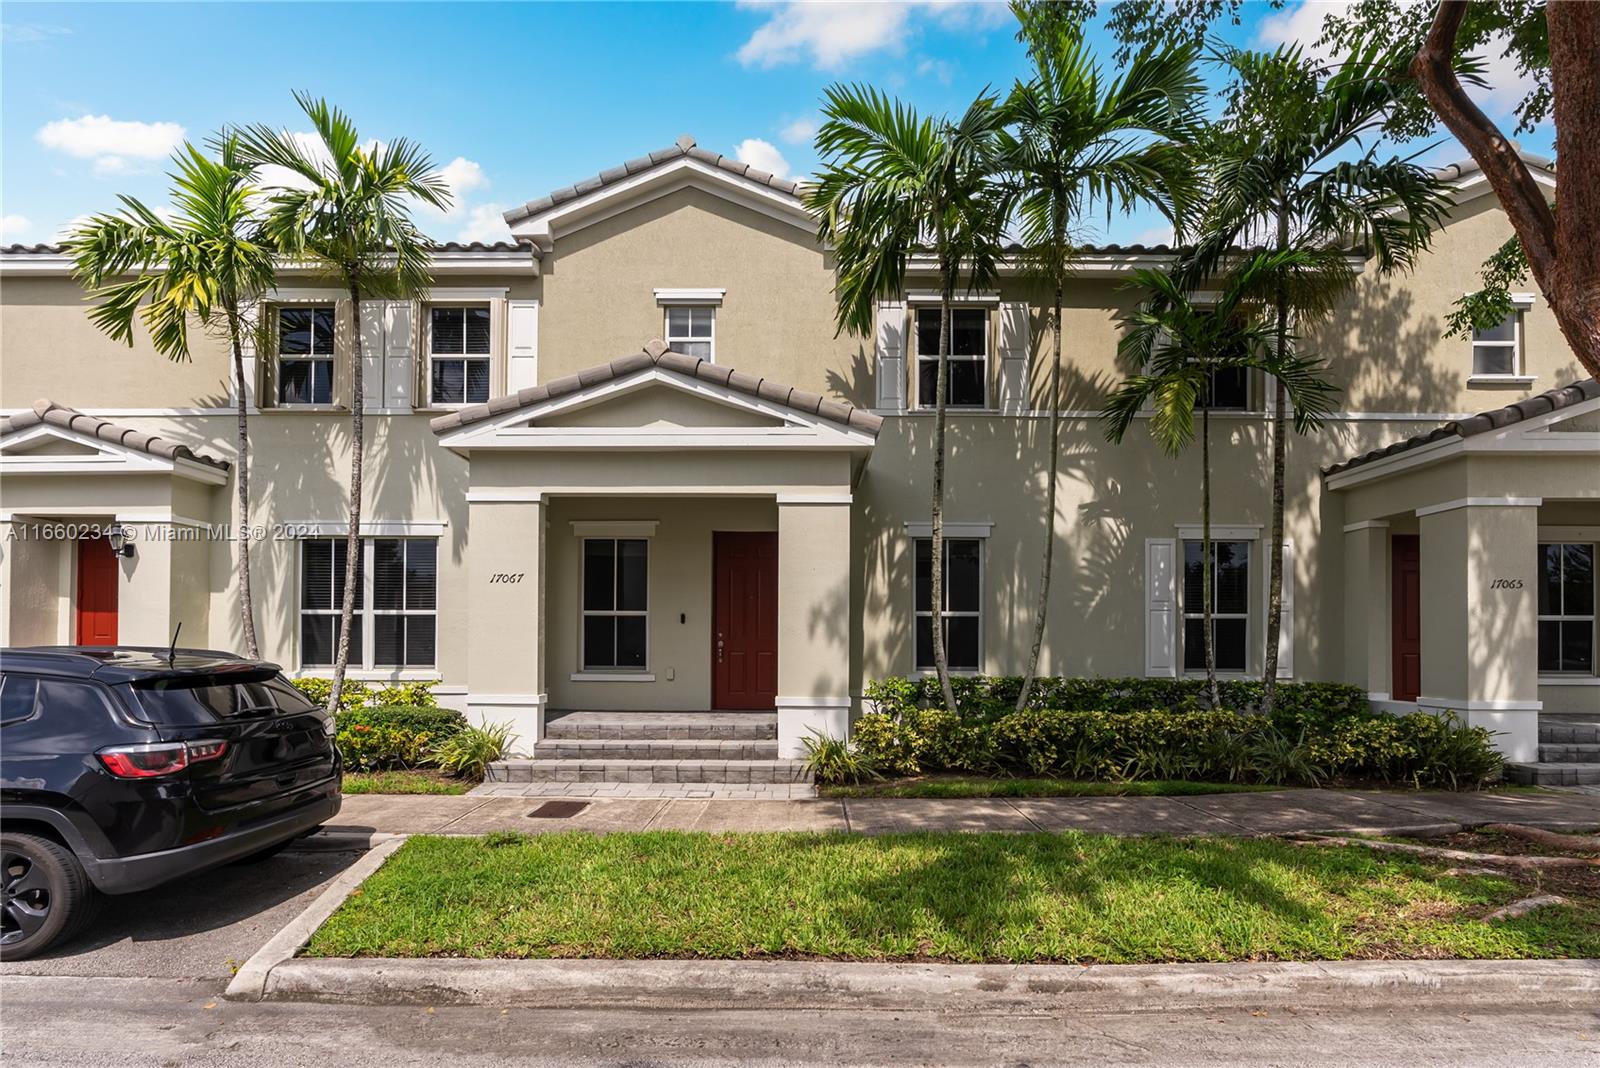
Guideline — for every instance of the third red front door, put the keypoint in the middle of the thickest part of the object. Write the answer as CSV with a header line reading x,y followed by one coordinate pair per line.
x,y
744,623
1406,605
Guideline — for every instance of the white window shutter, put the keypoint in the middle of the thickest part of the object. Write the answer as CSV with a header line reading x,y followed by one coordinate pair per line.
x,y
400,345
1014,350
1286,617
522,344
372,329
1160,607
890,345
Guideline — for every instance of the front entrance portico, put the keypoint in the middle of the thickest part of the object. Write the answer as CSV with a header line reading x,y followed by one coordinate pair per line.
x,y
594,511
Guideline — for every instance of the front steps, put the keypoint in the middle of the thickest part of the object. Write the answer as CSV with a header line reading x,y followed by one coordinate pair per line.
x,y
738,749
1569,754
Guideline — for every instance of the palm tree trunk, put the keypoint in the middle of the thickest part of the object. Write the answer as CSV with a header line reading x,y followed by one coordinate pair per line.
x,y
1205,555
352,558
247,614
1280,427
1049,501
941,661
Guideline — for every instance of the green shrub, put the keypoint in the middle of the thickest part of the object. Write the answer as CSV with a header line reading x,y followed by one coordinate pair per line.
x,y
468,752
1162,729
391,736
356,694
834,760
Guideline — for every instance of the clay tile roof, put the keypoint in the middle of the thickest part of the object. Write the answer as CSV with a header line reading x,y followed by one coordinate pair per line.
x,y
50,413
683,148
656,354
1541,404
436,246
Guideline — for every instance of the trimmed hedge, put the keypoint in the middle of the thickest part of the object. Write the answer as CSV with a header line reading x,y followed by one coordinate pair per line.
x,y
356,694
1130,729
393,736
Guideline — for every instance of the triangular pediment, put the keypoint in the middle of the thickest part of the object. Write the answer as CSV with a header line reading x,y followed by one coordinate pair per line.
x,y
48,444
660,406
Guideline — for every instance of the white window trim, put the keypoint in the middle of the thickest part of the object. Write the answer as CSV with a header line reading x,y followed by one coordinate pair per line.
x,y
1518,376
983,572
987,359
366,670
691,306
1557,678
1246,533
487,357
612,673
278,304
690,296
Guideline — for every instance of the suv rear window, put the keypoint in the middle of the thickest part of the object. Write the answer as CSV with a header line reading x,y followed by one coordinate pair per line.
x,y
197,700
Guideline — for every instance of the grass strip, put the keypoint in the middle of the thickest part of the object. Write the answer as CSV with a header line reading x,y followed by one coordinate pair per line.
x,y
402,782
934,897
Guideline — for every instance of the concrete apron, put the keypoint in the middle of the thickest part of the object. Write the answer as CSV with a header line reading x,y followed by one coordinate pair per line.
x,y
1045,988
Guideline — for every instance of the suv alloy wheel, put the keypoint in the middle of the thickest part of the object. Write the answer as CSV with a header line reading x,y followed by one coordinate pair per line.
x,y
44,895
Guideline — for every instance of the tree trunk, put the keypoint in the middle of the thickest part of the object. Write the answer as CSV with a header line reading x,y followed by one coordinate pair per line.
x,y
1049,501
1205,555
1280,446
241,473
352,559
1563,247
941,662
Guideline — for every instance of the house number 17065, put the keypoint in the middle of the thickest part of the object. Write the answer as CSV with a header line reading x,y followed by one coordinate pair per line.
x,y
507,577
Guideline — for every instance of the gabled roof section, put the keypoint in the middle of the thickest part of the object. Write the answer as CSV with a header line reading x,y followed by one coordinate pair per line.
x,y
48,413
683,148
1545,403
656,357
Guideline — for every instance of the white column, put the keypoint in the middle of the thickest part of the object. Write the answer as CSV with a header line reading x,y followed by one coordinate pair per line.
x,y
505,621
814,621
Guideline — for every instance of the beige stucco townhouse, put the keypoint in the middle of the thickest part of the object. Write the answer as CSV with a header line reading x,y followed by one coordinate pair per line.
x,y
625,463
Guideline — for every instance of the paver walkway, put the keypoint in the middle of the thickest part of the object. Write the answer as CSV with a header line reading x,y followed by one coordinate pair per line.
x,y
1276,812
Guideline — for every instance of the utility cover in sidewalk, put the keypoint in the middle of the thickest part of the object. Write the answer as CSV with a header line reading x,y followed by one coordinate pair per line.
x,y
558,810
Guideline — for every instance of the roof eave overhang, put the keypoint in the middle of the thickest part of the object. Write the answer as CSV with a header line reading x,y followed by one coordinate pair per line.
x,y
107,458
510,262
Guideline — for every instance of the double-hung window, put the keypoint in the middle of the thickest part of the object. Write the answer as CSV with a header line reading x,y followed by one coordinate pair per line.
x,y
396,601
1497,350
967,386
962,612
1230,615
1566,608
305,354
458,354
692,329
615,603
1228,390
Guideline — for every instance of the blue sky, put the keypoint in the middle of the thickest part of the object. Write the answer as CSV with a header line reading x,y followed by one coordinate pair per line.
x,y
515,98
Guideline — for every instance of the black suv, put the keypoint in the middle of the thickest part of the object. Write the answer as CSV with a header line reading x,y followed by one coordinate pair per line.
x,y
122,768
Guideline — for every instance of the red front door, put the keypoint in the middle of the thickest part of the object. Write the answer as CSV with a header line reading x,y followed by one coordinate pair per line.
x,y
744,623
97,592
1405,604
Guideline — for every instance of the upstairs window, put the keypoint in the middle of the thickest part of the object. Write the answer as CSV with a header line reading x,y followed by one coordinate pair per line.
x,y
692,329
305,354
1230,599
615,603
962,614
1566,608
1229,390
967,386
1497,351
458,354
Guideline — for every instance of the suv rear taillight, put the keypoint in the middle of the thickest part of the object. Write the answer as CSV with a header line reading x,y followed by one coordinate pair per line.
x,y
158,758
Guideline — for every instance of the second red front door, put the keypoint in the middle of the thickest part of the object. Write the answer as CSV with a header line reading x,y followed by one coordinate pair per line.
x,y
97,593
744,623
1406,606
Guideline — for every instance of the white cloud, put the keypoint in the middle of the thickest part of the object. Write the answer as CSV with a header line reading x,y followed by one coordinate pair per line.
x,y
66,229
833,33
800,131
30,32
1160,234
14,227
936,68
485,222
111,143
463,176
763,155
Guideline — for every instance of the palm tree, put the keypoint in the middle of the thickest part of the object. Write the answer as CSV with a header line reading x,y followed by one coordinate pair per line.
x,y
207,263
1079,143
1287,166
349,212
1178,343
895,185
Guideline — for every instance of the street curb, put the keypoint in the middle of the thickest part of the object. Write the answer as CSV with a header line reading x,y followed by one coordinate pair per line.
x,y
342,841
801,985
250,982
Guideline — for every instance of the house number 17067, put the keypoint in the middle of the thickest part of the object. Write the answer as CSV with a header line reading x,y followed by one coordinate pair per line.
x,y
507,577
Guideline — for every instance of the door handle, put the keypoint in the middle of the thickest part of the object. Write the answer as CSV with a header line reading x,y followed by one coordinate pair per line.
x,y
719,647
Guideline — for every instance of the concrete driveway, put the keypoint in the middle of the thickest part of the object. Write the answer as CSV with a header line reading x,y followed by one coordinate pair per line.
x,y
201,927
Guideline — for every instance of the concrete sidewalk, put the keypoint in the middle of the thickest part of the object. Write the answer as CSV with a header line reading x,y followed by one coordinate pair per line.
x,y
1277,812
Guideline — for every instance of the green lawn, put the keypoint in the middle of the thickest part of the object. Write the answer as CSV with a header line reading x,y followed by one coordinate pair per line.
x,y
403,782
957,897
981,786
